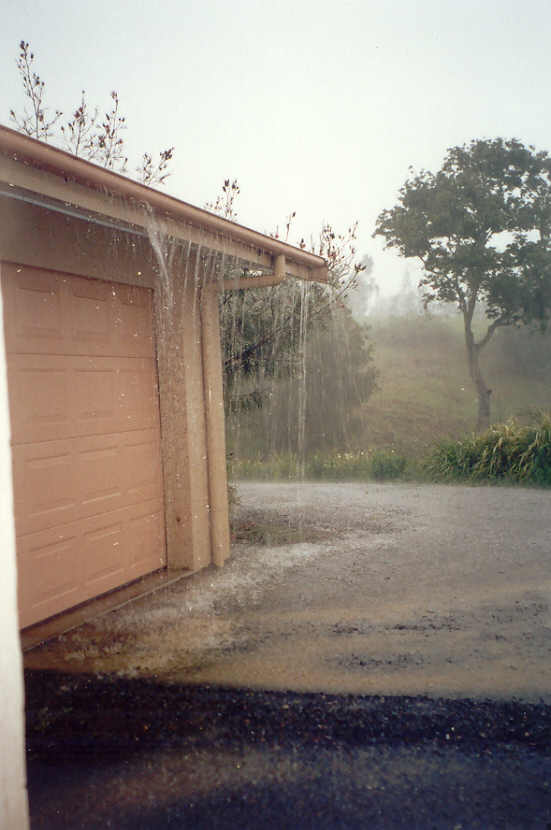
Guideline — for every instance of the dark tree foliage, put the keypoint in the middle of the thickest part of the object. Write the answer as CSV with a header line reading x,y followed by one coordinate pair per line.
x,y
297,367
481,228
294,358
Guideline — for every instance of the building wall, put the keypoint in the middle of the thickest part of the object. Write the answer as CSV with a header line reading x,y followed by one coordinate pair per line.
x,y
33,235
13,796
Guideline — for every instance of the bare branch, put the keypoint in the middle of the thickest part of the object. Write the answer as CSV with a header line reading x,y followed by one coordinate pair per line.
x,y
78,132
150,173
35,123
84,134
224,204
109,140
494,325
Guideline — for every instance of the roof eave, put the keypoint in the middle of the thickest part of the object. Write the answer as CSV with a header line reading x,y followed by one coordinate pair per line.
x,y
73,170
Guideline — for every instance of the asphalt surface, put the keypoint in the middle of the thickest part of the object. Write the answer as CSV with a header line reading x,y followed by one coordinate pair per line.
x,y
136,754
391,668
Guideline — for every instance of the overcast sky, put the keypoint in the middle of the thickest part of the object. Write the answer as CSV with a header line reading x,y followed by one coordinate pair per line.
x,y
314,106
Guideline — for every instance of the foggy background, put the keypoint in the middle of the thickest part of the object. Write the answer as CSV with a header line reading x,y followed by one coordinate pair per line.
x,y
314,107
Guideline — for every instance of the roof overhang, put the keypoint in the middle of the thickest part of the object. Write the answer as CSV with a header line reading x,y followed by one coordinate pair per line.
x,y
44,176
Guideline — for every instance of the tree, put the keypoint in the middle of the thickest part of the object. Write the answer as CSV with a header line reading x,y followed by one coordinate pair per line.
x,y
292,352
85,133
297,368
481,228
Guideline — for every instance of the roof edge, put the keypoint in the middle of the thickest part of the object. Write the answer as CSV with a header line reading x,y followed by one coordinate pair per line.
x,y
54,160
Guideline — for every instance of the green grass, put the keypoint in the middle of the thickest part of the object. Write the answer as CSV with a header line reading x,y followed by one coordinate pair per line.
x,y
425,396
379,465
425,392
507,453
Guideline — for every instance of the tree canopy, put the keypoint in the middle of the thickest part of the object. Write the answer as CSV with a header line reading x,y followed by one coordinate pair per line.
x,y
481,227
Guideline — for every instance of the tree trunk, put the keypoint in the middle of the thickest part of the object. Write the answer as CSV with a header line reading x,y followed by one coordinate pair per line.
x,y
484,394
482,391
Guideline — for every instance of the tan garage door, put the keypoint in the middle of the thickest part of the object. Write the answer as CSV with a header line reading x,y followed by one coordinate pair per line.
x,y
85,437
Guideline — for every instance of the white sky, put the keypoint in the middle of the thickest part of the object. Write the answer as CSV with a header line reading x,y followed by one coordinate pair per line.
x,y
314,106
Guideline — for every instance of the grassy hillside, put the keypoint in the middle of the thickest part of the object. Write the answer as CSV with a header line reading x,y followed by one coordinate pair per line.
x,y
424,389
424,395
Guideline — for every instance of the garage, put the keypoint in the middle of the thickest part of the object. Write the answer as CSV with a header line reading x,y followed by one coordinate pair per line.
x,y
84,410
111,314
112,445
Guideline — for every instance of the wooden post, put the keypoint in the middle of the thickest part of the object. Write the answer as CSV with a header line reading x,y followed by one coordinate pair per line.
x,y
214,413
183,431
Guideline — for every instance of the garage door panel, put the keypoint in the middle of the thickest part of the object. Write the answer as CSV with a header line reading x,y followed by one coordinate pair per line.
x,y
45,485
145,535
141,465
133,329
63,566
47,576
95,397
59,396
91,326
137,396
40,394
105,557
115,395
123,465
75,315
81,288
85,434
99,475
38,312
58,482
33,310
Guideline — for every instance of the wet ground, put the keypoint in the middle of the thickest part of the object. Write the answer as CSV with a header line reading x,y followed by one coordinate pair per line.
x,y
391,666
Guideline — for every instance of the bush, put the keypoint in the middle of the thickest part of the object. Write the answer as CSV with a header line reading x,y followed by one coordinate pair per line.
x,y
505,452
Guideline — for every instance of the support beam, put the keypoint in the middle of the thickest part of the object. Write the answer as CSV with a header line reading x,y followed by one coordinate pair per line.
x,y
183,429
214,415
279,267
239,283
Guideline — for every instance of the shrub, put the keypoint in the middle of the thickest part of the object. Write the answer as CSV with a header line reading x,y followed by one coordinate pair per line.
x,y
505,452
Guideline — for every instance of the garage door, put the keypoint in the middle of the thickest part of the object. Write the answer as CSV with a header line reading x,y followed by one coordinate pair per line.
x,y
85,437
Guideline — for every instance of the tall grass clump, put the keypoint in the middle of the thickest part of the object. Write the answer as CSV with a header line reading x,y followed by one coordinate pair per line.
x,y
506,452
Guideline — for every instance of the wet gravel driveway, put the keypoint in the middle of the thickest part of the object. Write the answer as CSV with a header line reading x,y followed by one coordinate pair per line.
x,y
388,668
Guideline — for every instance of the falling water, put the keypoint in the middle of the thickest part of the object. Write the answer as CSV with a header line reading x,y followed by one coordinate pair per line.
x,y
294,360
302,395
163,251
